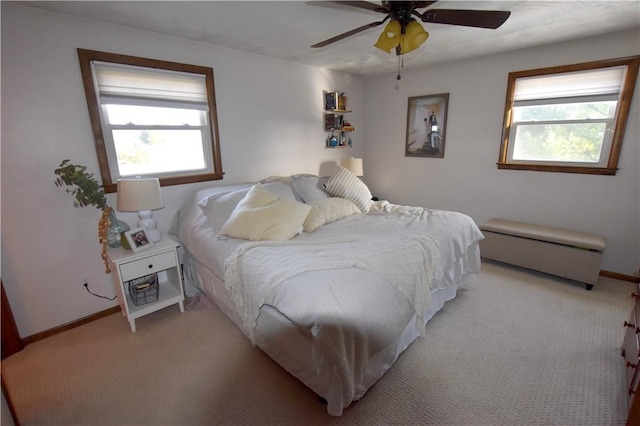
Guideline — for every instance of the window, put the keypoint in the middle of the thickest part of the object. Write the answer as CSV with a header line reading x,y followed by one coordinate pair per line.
x,y
568,119
151,118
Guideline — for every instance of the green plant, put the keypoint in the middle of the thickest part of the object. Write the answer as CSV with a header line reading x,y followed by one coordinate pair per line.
x,y
86,190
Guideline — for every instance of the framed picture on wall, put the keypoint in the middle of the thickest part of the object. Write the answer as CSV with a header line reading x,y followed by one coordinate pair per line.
x,y
426,125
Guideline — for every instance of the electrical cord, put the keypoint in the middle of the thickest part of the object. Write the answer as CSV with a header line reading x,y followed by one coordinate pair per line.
x,y
86,285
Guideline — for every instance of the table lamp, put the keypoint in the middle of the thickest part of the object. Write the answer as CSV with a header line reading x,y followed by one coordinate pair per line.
x,y
142,195
353,164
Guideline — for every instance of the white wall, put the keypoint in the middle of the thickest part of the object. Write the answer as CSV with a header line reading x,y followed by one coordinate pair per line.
x,y
270,121
467,179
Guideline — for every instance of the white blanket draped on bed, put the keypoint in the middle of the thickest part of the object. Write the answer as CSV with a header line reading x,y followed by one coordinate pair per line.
x,y
408,262
385,207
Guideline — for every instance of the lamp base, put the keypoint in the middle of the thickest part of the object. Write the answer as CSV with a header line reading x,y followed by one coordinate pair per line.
x,y
146,221
154,234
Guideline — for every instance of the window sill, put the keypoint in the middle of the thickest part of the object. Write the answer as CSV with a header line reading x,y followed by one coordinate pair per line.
x,y
181,180
559,169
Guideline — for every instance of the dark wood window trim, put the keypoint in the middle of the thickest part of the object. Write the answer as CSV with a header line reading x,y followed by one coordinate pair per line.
x,y
87,56
632,64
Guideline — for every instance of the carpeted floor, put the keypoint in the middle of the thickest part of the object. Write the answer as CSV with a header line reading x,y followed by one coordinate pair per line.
x,y
514,348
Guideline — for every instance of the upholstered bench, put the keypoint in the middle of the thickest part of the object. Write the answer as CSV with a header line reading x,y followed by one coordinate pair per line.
x,y
568,254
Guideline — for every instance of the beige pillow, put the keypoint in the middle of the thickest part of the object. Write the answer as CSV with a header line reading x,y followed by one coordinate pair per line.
x,y
218,207
328,210
345,184
263,216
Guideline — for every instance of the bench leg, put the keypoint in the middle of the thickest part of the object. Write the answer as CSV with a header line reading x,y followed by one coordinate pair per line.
x,y
589,286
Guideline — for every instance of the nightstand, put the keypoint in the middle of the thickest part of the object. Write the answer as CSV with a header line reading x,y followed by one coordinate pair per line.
x,y
128,268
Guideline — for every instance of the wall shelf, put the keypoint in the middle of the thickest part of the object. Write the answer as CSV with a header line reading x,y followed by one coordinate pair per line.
x,y
334,122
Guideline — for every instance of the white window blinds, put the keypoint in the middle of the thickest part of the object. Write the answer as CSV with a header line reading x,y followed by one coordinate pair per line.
x,y
127,81
604,81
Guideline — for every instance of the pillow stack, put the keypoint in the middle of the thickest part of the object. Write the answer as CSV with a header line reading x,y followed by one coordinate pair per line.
x,y
270,211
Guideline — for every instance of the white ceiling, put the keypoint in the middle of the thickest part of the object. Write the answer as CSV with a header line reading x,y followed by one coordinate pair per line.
x,y
287,29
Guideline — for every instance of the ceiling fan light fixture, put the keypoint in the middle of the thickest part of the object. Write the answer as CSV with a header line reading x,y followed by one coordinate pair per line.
x,y
414,35
390,37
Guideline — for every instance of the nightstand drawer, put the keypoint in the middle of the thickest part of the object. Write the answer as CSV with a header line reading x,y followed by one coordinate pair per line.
x,y
148,265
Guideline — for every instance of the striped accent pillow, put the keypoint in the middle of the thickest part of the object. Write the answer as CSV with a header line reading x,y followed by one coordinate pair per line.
x,y
346,185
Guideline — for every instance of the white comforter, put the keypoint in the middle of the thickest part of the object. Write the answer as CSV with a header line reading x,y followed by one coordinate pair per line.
x,y
398,267
353,285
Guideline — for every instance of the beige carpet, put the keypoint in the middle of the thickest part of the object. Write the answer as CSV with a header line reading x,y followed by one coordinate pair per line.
x,y
514,348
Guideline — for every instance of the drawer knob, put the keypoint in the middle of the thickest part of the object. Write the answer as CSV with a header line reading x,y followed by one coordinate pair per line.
x,y
634,294
632,365
626,324
150,266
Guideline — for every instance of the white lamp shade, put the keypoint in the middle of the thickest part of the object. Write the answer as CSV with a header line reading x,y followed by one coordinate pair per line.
x,y
353,164
139,194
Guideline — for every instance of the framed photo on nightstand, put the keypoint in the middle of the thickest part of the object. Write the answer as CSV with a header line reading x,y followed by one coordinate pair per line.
x,y
138,239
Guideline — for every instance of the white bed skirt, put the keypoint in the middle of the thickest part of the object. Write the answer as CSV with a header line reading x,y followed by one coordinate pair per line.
x,y
292,348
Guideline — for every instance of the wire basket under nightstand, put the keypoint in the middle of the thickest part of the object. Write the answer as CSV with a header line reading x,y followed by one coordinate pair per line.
x,y
144,290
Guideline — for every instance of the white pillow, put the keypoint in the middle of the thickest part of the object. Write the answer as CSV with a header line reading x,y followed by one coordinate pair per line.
x,y
263,216
345,184
218,207
328,210
310,188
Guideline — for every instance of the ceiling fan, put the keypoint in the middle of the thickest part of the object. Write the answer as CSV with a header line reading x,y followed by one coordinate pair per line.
x,y
404,33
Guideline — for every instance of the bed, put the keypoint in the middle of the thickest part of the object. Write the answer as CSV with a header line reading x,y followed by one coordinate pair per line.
x,y
336,304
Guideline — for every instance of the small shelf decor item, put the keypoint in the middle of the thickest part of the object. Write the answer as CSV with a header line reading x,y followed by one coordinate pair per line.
x,y
144,290
88,192
330,101
426,125
138,239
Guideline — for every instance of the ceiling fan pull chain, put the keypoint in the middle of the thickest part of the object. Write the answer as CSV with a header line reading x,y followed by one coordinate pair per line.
x,y
400,65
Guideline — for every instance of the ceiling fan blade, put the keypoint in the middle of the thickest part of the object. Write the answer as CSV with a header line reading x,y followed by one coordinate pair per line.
x,y
468,18
349,33
359,4
423,4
